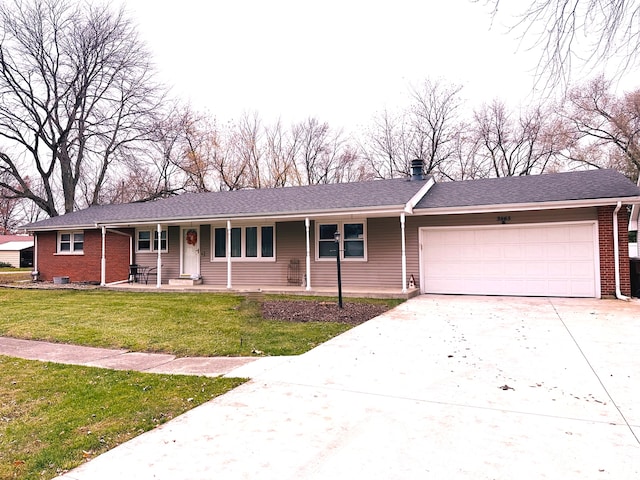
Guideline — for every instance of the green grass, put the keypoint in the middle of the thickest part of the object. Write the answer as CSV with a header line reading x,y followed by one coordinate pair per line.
x,y
185,324
54,417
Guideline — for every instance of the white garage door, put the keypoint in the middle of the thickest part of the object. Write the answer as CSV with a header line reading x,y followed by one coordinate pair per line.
x,y
557,260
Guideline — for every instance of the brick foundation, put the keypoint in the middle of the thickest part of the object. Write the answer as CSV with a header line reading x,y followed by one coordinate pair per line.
x,y
85,267
607,263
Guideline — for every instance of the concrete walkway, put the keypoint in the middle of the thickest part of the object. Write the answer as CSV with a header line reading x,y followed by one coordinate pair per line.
x,y
126,360
442,387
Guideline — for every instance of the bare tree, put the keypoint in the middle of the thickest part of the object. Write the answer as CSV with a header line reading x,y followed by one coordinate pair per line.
x,y
8,212
282,148
386,146
75,93
466,162
511,147
320,153
603,129
593,33
426,130
434,123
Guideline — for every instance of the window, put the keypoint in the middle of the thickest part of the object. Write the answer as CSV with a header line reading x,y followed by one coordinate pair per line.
x,y
247,243
326,240
163,240
143,241
352,240
71,242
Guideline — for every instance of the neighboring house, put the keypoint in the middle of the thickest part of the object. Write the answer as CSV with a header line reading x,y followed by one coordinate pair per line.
x,y
16,250
550,235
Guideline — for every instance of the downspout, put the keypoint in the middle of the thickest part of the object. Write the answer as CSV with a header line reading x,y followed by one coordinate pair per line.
x,y
308,260
103,259
159,260
229,254
616,253
404,254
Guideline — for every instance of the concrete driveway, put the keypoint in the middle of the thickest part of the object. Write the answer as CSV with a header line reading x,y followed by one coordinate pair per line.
x,y
442,387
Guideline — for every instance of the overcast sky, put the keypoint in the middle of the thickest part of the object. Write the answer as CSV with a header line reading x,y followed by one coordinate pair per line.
x,y
337,60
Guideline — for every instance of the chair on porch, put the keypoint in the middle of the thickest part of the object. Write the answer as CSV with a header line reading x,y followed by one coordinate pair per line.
x,y
133,273
152,272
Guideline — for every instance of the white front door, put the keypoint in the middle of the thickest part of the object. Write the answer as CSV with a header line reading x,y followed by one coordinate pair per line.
x,y
190,264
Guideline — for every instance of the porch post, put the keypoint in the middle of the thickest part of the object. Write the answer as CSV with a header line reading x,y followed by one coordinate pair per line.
x,y
159,261
306,227
103,259
228,254
404,254
35,253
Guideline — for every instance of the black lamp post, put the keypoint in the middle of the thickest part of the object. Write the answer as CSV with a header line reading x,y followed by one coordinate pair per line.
x,y
336,237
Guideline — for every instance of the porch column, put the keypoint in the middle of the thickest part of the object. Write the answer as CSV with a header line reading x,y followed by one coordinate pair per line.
x,y
228,254
404,254
103,259
306,227
35,254
159,260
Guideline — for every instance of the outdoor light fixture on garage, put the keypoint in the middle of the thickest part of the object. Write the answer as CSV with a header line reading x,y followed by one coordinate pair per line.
x,y
504,220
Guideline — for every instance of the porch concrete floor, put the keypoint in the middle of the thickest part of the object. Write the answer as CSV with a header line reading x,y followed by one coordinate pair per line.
x,y
347,292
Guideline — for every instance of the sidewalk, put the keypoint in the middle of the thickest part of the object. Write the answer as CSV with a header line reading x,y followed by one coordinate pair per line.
x,y
142,362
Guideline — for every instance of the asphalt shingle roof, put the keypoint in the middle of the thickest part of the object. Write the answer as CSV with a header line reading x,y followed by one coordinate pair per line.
x,y
267,201
581,185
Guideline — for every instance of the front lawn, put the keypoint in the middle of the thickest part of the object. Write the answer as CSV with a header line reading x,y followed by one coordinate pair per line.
x,y
185,324
54,417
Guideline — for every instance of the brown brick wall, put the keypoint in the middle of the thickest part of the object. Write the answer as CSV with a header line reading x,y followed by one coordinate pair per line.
x,y
84,267
607,264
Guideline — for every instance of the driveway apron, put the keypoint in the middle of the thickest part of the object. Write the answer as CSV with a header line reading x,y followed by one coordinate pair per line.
x,y
441,387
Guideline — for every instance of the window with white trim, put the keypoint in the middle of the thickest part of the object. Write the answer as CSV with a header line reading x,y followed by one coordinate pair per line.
x,y
71,243
247,243
353,236
144,243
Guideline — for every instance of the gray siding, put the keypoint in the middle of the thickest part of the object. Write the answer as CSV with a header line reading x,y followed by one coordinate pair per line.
x,y
479,219
383,267
170,260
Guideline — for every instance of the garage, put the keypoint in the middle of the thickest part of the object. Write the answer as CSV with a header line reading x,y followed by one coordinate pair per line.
x,y
551,259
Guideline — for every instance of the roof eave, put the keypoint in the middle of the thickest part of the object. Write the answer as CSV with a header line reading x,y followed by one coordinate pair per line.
x,y
274,216
289,216
515,207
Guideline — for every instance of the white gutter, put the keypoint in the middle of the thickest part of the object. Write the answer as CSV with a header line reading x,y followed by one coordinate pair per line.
x,y
616,253
338,213
408,208
522,207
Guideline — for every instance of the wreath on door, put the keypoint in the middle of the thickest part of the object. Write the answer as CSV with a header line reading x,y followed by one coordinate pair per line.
x,y
192,237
